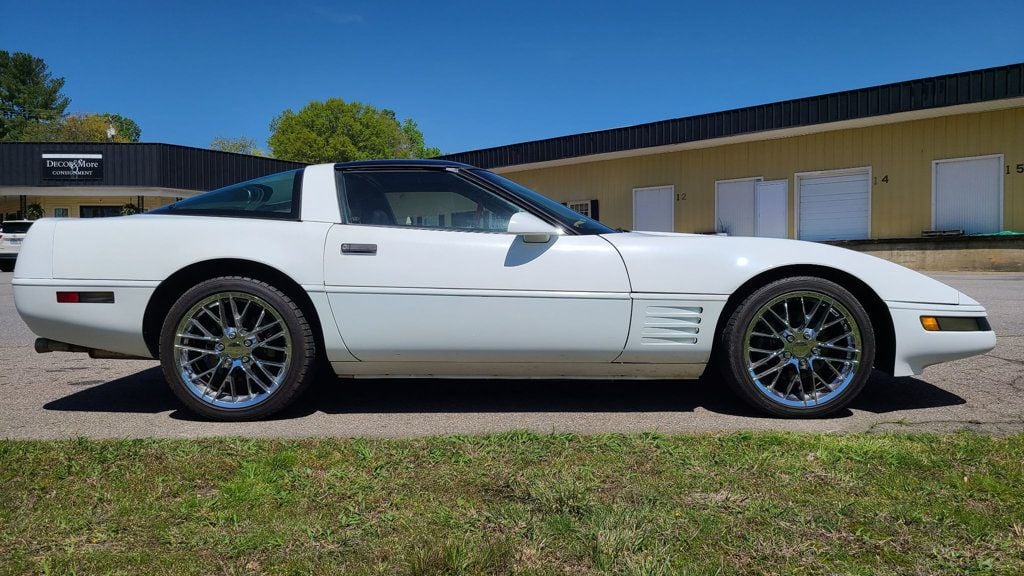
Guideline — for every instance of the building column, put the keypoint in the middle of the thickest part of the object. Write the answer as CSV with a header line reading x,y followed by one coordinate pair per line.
x,y
22,206
140,201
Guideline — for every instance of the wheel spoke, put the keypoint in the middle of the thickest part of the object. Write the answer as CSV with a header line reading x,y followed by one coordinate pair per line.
x,y
234,312
792,382
195,322
262,342
198,337
220,313
776,314
842,348
809,317
194,349
210,371
776,368
824,316
250,374
764,360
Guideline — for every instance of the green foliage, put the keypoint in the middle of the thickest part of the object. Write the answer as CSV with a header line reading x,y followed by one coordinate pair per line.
x,y
125,129
129,209
29,94
339,131
85,128
33,212
239,145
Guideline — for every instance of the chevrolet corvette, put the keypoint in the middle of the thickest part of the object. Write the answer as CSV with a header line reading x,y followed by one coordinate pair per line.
x,y
407,268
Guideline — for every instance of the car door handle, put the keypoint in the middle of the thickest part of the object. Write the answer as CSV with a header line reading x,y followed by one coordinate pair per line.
x,y
370,249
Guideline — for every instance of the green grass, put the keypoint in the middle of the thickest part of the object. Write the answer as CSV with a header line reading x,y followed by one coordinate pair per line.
x,y
517,503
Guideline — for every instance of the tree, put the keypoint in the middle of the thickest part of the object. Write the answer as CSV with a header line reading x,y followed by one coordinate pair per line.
x,y
335,130
85,128
29,94
125,129
239,145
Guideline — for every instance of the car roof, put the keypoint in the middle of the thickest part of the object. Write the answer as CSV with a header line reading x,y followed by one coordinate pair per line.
x,y
401,163
16,222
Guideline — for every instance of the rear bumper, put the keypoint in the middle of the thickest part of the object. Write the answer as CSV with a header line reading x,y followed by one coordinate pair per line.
x,y
115,327
917,348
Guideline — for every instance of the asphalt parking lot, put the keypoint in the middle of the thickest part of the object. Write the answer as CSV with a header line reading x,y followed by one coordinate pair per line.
x,y
62,395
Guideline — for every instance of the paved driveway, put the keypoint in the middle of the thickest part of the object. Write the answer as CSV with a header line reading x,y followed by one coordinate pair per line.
x,y
67,395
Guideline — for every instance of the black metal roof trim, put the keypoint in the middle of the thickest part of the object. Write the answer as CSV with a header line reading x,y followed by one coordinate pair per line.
x,y
972,87
150,165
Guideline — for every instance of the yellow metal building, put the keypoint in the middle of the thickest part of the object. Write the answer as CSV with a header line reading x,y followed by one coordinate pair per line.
x,y
941,155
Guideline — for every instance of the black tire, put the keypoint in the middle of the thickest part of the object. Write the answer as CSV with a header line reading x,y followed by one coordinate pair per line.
x,y
298,373
799,357
7,266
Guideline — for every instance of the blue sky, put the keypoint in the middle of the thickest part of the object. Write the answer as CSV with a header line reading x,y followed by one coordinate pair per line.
x,y
477,74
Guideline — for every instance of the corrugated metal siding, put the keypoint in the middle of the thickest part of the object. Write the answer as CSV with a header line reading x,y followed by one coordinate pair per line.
x,y
903,151
948,90
141,165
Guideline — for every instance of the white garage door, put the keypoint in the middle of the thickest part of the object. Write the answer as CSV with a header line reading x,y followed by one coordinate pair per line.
x,y
734,206
834,205
772,202
654,209
968,194
752,207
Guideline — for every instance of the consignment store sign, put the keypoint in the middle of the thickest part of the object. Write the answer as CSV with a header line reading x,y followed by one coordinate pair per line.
x,y
72,166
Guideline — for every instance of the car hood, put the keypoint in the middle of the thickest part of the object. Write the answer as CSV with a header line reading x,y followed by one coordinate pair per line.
x,y
705,264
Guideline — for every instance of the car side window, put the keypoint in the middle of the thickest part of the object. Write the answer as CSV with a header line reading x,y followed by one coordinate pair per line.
x,y
421,199
274,196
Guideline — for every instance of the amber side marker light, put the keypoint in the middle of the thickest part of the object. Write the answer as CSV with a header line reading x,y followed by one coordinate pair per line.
x,y
955,324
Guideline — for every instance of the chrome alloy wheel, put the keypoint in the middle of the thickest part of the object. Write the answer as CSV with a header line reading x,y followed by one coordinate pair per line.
x,y
802,349
232,350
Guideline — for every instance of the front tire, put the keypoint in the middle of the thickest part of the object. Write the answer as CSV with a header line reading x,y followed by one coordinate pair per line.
x,y
800,347
236,348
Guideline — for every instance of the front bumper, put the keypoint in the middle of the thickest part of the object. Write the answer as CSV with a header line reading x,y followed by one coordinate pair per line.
x,y
917,348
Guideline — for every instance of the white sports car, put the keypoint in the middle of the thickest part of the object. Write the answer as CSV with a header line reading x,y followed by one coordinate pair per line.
x,y
427,268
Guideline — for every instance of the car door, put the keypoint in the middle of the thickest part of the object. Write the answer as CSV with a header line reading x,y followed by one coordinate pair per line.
x,y
423,270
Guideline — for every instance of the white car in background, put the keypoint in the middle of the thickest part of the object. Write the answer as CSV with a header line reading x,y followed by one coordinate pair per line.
x,y
12,234
427,268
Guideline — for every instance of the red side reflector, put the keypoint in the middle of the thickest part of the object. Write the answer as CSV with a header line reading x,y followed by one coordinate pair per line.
x,y
68,297
85,297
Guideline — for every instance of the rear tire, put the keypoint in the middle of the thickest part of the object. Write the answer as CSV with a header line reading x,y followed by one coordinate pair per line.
x,y
7,266
800,347
236,348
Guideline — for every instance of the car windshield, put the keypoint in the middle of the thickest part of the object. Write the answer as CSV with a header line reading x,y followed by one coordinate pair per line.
x,y
15,227
567,216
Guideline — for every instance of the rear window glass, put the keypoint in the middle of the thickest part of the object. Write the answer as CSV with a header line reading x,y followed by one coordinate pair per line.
x,y
274,196
14,227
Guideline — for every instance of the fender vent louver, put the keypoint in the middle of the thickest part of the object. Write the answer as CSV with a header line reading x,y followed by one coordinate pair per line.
x,y
671,325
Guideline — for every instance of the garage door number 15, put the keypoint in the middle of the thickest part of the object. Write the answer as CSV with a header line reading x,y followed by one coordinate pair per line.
x,y
1019,169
